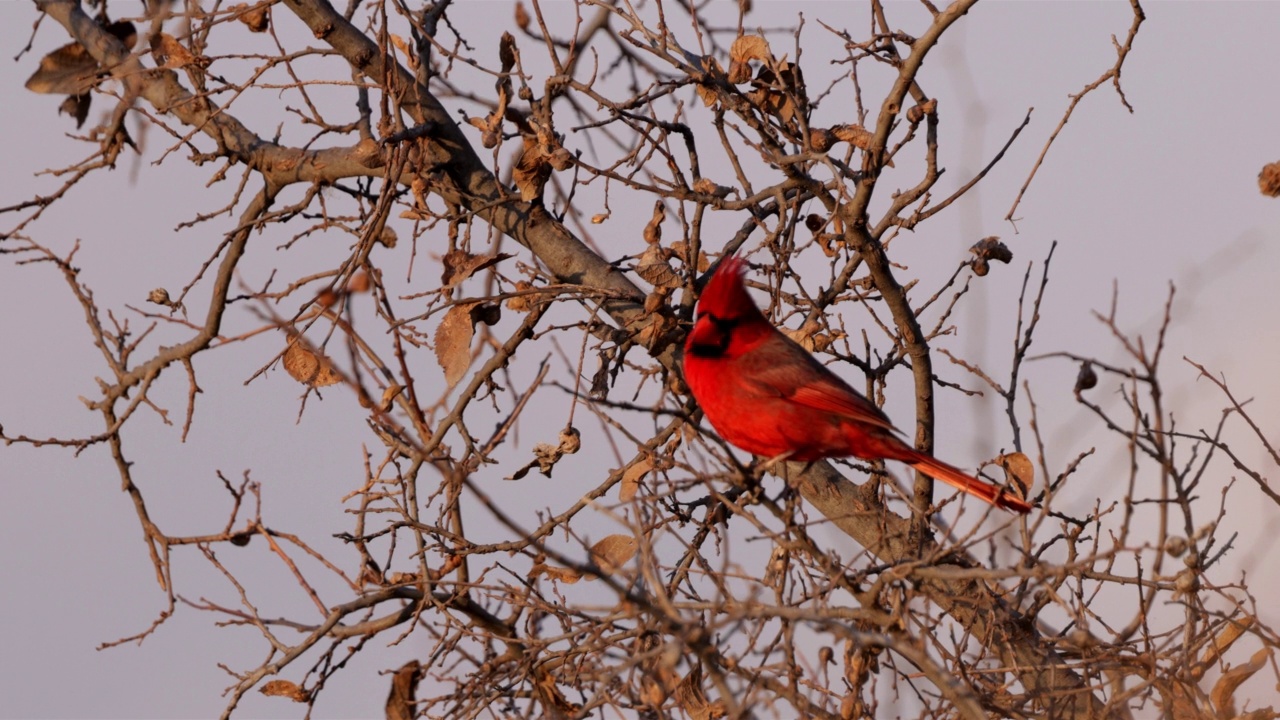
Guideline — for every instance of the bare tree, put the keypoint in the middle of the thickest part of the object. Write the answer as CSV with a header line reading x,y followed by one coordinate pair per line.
x,y
499,162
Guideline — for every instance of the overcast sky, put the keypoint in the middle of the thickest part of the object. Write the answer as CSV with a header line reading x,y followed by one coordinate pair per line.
x,y
1137,201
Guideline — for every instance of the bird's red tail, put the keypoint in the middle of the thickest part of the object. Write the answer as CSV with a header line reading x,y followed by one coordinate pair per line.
x,y
961,480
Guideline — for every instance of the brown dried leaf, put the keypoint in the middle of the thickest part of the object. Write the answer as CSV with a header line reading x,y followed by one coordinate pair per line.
x,y
521,303
1086,379
459,265
653,265
286,689
389,396
1224,691
990,248
1225,639
410,57
693,700
631,479
1019,471
1268,179
855,135
611,553
256,19
531,171
522,16
750,47
404,686
70,69
546,456
708,186
555,572
453,342
77,106
804,335
169,53
653,230
918,112
307,367
599,218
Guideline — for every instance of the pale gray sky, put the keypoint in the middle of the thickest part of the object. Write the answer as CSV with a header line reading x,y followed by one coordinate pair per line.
x,y
1167,194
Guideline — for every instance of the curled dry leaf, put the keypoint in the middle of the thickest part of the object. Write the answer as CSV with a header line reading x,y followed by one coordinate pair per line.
x,y
631,479
70,69
404,686
531,171
803,336
708,186
1224,691
599,218
286,689
169,53
368,153
307,367
855,135
681,250
359,282
611,553
389,396
918,112
458,265
546,456
693,700
387,238
653,230
1268,179
453,342
522,302
522,16
742,52
987,249
654,266
256,19
1019,471
706,89
555,572
1086,379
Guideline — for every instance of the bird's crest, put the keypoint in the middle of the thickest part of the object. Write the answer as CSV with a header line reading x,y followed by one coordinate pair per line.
x,y
726,295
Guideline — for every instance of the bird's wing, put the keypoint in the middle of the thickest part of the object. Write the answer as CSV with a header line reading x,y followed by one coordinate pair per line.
x,y
814,386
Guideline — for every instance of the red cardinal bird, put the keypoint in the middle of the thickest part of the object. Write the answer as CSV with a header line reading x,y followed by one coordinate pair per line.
x,y
765,394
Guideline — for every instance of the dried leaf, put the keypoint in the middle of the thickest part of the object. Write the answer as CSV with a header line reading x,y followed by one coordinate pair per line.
x,y
742,52
855,135
453,342
389,396
77,106
460,265
404,686
1086,379
1019,471
359,283
804,335
286,689
522,16
531,171
521,303
546,456
1268,178
630,484
918,112
693,700
411,57
71,70
708,186
550,696
611,553
555,572
599,218
655,268
653,230
256,19
308,367
169,53
990,248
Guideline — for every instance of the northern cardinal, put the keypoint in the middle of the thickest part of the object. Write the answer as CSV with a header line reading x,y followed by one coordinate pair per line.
x,y
767,395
